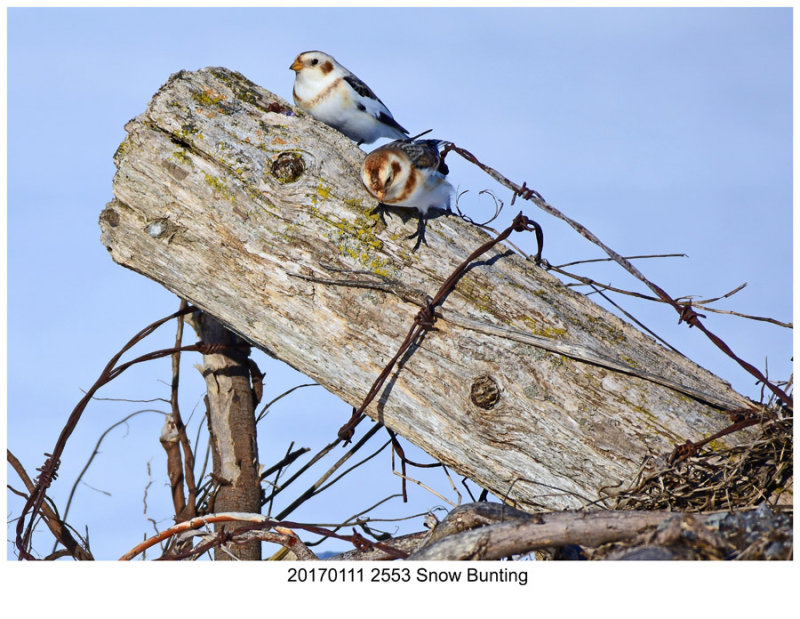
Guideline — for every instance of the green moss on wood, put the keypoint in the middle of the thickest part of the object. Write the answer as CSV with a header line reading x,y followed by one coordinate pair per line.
x,y
218,186
355,239
181,156
542,329
123,149
239,85
210,98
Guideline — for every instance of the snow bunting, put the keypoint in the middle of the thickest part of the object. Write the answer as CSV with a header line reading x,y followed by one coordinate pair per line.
x,y
409,173
333,95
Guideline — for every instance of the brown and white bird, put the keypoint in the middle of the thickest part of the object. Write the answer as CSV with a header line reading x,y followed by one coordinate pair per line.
x,y
409,173
333,95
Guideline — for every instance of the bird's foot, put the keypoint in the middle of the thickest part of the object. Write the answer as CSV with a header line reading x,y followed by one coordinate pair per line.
x,y
419,234
380,211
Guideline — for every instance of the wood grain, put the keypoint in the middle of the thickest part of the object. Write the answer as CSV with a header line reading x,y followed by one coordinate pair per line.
x,y
248,208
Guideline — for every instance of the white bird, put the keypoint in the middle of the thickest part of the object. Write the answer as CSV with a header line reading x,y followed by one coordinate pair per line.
x,y
409,173
333,95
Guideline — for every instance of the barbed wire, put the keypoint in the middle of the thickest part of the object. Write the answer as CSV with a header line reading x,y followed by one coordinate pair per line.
x,y
426,317
685,310
422,323
49,470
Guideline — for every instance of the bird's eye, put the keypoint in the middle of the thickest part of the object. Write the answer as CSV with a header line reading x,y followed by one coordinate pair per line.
x,y
314,61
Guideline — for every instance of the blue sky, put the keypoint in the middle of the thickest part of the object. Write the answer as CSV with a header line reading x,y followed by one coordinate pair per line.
x,y
661,130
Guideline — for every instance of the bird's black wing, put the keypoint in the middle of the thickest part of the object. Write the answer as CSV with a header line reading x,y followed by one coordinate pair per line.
x,y
361,88
387,119
365,91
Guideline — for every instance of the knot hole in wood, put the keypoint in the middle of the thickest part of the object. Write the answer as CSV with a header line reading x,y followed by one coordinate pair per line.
x,y
485,392
288,167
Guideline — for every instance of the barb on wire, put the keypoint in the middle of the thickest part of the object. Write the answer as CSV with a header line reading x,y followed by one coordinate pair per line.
x,y
684,310
587,281
727,295
426,317
55,522
49,470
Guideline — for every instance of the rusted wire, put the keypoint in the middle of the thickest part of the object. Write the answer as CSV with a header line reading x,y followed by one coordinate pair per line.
x,y
684,310
56,523
587,281
426,317
49,470
741,418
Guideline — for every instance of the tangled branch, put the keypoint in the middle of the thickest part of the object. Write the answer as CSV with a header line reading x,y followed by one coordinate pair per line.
x,y
259,523
49,470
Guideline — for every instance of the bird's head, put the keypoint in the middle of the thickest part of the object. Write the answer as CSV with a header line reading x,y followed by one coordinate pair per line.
x,y
318,64
385,174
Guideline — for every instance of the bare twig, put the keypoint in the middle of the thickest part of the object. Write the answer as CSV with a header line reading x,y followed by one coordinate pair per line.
x,y
290,457
641,257
353,467
266,407
703,305
144,497
96,452
183,508
705,308
317,486
316,458
421,485
406,544
727,295
524,534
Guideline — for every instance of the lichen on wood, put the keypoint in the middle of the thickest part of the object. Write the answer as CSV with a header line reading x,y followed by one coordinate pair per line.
x,y
258,208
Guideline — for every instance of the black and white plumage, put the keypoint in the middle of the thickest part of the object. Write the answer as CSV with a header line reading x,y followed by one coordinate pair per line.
x,y
333,95
409,173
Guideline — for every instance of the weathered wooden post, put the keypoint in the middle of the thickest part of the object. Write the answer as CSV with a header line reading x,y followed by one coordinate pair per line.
x,y
252,211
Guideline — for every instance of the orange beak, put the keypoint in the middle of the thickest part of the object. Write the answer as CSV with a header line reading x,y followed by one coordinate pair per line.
x,y
296,65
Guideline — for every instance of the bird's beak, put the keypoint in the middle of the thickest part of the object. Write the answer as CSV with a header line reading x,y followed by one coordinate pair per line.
x,y
381,195
296,65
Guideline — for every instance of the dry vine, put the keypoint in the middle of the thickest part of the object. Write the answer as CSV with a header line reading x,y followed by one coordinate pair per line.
x,y
739,477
